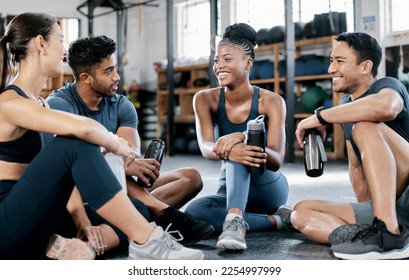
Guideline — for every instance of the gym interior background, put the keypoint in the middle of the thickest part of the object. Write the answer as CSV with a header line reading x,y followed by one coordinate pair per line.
x,y
150,33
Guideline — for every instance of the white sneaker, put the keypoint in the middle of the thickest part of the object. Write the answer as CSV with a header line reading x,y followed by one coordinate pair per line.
x,y
233,235
162,246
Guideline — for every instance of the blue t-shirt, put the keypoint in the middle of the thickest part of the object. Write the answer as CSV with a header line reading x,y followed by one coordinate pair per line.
x,y
114,112
400,124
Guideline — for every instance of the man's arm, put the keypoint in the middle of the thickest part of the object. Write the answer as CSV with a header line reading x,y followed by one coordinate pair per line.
x,y
131,135
381,107
141,168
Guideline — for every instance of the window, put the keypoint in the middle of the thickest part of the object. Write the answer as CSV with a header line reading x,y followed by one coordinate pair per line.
x,y
193,20
266,13
399,20
70,29
259,13
193,29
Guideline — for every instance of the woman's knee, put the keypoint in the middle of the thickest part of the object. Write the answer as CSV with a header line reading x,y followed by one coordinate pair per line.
x,y
73,145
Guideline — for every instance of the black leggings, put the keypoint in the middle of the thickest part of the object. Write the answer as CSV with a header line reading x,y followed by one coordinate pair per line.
x,y
30,212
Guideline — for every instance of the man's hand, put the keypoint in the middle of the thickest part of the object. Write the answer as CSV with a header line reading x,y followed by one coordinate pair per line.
x,y
307,123
142,168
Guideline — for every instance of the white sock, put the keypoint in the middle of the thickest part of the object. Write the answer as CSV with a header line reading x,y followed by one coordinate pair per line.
x,y
280,224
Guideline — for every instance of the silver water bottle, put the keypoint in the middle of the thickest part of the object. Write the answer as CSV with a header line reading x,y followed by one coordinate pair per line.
x,y
256,136
314,153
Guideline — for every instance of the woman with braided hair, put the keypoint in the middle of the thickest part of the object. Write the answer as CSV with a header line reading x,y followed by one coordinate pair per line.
x,y
244,201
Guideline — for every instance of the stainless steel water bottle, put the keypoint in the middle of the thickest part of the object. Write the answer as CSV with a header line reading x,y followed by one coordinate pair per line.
x,y
314,153
156,150
256,136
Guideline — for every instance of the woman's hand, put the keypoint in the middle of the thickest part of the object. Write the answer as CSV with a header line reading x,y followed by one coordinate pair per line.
x,y
94,236
247,154
224,144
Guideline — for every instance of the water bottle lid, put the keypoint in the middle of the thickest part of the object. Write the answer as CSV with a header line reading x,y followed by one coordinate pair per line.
x,y
256,124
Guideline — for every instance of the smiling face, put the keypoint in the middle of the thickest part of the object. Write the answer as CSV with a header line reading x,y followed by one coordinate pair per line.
x,y
347,74
231,65
55,52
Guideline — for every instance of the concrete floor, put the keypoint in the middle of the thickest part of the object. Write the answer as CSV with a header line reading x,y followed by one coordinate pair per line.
x,y
332,185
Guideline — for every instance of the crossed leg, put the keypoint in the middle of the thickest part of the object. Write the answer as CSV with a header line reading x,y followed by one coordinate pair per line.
x,y
385,162
172,188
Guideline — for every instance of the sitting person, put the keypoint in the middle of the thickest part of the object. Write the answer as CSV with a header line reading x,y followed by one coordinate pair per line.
x,y
93,63
374,114
250,200
37,180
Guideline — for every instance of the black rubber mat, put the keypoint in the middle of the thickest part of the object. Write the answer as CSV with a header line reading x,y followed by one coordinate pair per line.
x,y
260,246
269,246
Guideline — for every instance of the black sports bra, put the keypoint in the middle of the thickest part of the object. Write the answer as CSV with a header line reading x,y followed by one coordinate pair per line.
x,y
25,148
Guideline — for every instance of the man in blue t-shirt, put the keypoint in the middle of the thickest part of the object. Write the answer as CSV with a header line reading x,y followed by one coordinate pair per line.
x,y
374,114
93,94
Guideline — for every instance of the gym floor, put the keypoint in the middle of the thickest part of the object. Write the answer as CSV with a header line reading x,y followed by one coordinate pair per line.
x,y
332,185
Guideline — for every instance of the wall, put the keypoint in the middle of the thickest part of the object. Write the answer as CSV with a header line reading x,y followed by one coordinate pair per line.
x,y
143,47
146,42
57,8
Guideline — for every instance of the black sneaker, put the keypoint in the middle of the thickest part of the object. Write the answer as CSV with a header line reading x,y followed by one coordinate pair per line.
x,y
345,233
284,212
374,243
186,229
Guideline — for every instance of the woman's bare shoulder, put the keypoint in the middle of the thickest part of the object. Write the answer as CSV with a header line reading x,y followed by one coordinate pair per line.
x,y
271,96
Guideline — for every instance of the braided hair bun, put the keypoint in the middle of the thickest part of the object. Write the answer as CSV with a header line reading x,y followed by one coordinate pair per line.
x,y
241,35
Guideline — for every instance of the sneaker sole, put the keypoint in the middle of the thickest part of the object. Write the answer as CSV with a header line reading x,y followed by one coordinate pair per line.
x,y
230,244
396,254
204,235
139,256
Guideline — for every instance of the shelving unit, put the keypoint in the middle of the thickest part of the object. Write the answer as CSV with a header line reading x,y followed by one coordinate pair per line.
x,y
55,83
184,94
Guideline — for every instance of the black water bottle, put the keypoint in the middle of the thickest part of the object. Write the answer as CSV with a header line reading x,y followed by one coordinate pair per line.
x,y
314,153
156,150
256,136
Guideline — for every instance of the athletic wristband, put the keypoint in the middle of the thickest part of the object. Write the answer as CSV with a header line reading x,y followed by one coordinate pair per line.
x,y
319,117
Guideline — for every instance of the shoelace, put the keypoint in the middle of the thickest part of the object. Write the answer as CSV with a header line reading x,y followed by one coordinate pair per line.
x,y
368,232
235,224
365,233
170,232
